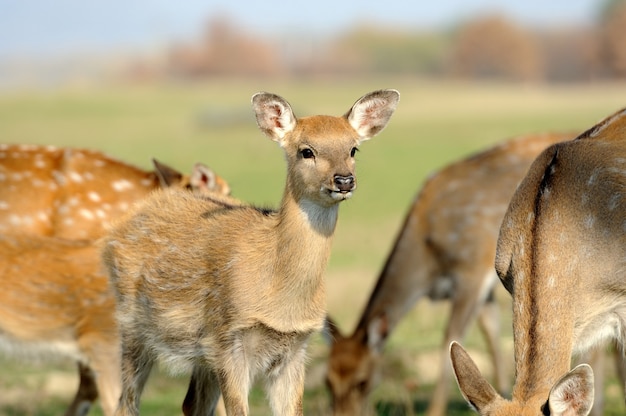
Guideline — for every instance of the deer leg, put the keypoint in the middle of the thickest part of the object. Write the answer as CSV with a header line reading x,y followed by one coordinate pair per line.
x,y
136,366
466,303
203,393
489,322
285,385
87,392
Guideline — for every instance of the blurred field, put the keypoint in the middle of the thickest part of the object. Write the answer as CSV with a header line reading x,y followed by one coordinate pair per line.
x,y
436,123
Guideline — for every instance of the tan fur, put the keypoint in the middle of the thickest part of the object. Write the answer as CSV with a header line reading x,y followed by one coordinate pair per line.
x,y
56,298
561,255
445,250
232,291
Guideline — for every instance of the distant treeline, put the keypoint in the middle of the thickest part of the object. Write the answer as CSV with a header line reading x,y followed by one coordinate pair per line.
x,y
488,47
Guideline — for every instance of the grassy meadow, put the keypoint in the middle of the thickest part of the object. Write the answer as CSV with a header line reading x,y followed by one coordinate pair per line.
x,y
212,122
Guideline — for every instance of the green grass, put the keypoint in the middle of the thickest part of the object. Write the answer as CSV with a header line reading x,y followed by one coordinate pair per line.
x,y
435,124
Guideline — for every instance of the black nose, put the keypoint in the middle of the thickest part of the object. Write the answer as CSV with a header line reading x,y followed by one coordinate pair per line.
x,y
344,183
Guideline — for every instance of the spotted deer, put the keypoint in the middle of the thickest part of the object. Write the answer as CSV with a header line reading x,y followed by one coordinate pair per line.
x,y
444,250
47,193
75,193
561,254
234,292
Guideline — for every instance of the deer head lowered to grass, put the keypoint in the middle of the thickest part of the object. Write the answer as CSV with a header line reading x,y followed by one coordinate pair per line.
x,y
562,255
232,291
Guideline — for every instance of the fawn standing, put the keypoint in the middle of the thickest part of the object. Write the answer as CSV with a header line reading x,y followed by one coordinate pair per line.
x,y
561,254
232,291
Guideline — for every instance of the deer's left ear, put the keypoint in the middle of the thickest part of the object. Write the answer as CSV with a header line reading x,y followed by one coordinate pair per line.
x,y
371,113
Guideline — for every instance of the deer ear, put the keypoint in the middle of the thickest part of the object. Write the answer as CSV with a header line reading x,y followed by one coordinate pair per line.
x,y
167,176
371,113
573,393
474,387
273,115
202,178
377,332
331,331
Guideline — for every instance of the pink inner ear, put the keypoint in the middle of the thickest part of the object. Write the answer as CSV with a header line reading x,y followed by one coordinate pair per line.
x,y
275,118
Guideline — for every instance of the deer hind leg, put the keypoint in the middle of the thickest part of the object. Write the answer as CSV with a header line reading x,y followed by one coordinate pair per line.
x,y
87,392
466,303
136,365
203,393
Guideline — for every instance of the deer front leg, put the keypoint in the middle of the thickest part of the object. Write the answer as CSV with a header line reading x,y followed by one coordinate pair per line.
x,y
489,321
285,385
466,304
203,393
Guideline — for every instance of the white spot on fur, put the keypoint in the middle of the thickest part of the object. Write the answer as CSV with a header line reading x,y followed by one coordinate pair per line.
x,y
85,213
590,221
122,185
4,205
39,163
99,163
146,182
94,196
75,177
614,201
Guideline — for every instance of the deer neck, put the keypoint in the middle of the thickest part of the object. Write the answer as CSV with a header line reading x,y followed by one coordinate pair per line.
x,y
304,233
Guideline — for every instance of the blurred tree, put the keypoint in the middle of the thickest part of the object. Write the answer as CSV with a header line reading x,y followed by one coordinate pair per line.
x,y
225,50
612,27
373,49
493,47
569,54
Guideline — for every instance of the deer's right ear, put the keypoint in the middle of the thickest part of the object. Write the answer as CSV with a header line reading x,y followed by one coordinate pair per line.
x,y
331,331
273,115
474,387
573,393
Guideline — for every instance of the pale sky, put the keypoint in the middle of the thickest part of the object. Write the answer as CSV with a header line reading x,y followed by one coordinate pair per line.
x,y
35,27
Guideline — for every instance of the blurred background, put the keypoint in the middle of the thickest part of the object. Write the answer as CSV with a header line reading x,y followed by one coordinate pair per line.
x,y
73,42
154,78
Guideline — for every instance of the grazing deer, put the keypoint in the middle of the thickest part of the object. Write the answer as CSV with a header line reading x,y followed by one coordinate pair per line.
x,y
445,250
75,193
232,291
561,254
49,192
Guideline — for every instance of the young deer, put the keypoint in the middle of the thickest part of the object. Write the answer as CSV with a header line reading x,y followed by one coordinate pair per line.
x,y
48,192
445,250
561,254
234,291
75,193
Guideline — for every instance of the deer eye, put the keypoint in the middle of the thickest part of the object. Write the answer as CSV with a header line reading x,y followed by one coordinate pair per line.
x,y
307,153
353,151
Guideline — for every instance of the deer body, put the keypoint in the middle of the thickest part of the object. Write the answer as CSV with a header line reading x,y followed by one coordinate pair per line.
x,y
445,250
56,301
233,291
561,254
75,193
56,298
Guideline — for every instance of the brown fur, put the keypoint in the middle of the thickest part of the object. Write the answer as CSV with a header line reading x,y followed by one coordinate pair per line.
x,y
232,292
445,250
46,193
561,255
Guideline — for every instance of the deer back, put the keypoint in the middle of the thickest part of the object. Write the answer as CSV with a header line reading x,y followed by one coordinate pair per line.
x,y
75,193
